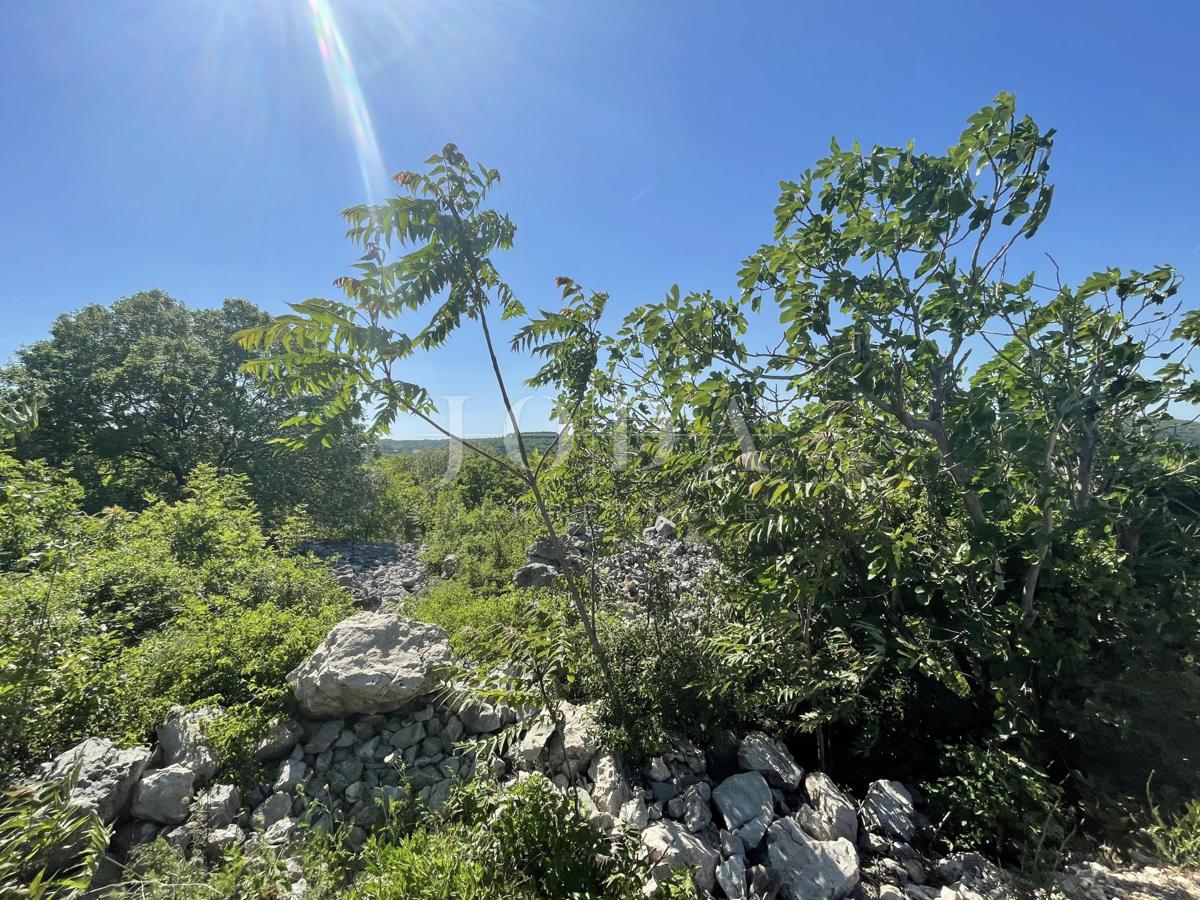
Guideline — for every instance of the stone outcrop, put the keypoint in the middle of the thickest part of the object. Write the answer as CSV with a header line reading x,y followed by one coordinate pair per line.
x,y
370,663
106,775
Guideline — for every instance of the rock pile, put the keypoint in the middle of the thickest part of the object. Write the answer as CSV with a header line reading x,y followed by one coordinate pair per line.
x,y
379,574
743,816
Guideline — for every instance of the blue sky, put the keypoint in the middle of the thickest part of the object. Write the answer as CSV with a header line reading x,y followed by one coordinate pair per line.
x,y
200,146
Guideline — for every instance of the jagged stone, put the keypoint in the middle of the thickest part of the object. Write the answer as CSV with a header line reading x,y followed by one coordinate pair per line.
x,y
832,808
164,795
888,810
281,738
181,738
370,663
808,869
670,845
106,777
218,806
743,798
760,753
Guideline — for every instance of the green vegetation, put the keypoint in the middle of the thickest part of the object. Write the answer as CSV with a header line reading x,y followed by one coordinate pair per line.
x,y
958,528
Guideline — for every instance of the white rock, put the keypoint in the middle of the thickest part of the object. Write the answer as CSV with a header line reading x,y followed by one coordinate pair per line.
x,y
670,845
181,737
164,795
635,814
282,735
372,662
579,742
270,811
888,809
743,798
808,869
106,775
481,718
533,742
218,806
218,840
833,808
760,753
610,790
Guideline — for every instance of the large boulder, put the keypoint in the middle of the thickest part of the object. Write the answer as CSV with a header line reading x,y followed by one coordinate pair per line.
x,y
743,798
282,735
218,806
835,814
106,775
372,662
535,575
610,788
760,753
164,795
888,810
181,737
806,869
579,741
670,845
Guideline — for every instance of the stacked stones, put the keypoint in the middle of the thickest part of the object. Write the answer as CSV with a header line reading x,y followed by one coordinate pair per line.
x,y
743,817
379,574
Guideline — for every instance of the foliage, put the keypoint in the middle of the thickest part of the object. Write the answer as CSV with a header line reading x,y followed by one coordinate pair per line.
x,y
471,616
136,395
182,603
526,841
38,828
1176,840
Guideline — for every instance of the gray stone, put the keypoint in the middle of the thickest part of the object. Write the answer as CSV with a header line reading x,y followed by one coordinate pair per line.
x,y
281,738
670,845
370,663
743,798
760,753
408,736
218,806
291,773
535,575
697,815
808,869
181,737
731,876
164,795
481,718
106,775
888,810
282,831
218,840
832,808
578,735
323,738
270,811
663,529
533,742
610,789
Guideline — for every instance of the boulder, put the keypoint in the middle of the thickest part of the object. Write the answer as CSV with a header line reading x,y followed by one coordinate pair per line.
x,y
291,773
481,718
834,813
579,742
760,753
663,529
369,663
744,798
533,742
218,806
282,735
806,869
535,575
324,737
731,876
164,795
610,790
888,810
106,776
218,840
271,810
181,737
670,845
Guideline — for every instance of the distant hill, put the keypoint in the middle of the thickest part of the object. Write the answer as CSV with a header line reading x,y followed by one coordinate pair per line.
x,y
534,440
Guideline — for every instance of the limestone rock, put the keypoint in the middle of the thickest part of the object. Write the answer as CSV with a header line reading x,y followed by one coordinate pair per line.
x,y
610,790
808,869
164,795
271,810
760,753
731,876
743,798
218,806
535,575
370,663
107,775
833,809
181,737
888,810
282,735
670,845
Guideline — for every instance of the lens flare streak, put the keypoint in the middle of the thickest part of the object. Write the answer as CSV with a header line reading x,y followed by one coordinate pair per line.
x,y
347,93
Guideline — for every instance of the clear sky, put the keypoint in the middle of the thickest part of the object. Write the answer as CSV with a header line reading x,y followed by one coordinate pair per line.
x,y
206,147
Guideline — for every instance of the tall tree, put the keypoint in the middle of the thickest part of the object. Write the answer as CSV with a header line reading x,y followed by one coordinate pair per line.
x,y
135,395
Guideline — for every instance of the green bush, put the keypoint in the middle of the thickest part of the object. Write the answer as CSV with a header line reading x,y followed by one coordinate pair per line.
x,y
182,603
489,540
471,616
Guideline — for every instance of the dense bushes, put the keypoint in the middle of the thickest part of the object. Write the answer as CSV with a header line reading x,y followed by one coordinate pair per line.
x,y
182,603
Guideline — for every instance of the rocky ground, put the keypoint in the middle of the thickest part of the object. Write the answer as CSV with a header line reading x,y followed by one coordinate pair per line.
x,y
378,722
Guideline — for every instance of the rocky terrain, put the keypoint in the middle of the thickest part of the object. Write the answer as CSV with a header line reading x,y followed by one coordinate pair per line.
x,y
379,723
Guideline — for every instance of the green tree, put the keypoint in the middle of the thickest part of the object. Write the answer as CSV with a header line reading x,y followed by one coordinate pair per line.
x,y
137,394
